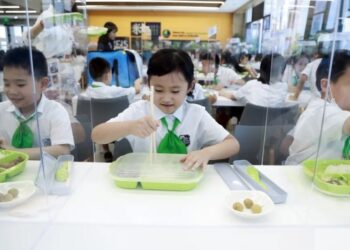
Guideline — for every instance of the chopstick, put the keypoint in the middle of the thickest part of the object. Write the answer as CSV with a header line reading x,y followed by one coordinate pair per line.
x,y
153,146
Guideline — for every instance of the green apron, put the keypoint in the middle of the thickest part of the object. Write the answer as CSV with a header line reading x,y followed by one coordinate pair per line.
x,y
23,136
171,143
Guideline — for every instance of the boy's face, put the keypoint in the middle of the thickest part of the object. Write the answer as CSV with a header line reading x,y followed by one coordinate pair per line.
x,y
170,91
18,87
207,66
341,90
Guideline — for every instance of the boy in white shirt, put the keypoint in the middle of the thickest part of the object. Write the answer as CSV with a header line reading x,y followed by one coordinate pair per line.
x,y
18,126
180,127
335,143
268,90
101,73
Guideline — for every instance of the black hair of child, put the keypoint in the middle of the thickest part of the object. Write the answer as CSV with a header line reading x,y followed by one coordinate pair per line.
x,y
111,27
341,60
271,68
165,61
211,57
98,67
20,58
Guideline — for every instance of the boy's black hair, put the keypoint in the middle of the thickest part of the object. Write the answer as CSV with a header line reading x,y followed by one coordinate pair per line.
x,y
19,58
272,66
111,27
341,60
98,67
258,57
165,61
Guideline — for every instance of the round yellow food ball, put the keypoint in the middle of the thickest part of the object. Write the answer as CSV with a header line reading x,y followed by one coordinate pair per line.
x,y
256,209
238,206
13,192
248,203
7,197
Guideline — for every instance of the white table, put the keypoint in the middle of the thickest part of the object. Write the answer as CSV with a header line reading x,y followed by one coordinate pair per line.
x,y
98,215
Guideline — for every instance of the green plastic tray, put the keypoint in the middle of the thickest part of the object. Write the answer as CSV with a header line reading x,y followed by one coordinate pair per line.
x,y
7,156
332,189
165,172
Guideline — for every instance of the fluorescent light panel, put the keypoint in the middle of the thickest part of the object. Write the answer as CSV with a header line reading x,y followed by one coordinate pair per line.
x,y
159,8
9,7
150,1
19,11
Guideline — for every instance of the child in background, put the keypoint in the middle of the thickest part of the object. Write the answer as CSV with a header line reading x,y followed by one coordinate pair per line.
x,y
101,73
266,91
18,127
335,142
180,127
213,71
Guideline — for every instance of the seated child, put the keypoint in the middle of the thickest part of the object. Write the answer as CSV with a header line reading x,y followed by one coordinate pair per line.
x,y
266,91
336,123
18,127
197,93
101,73
213,71
180,127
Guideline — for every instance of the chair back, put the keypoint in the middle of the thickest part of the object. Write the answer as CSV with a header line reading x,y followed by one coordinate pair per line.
x,y
203,102
254,115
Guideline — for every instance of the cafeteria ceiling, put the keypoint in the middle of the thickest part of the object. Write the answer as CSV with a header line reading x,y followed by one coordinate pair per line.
x,y
152,5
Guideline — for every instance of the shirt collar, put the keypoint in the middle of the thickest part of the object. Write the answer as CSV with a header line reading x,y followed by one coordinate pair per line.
x,y
42,103
179,113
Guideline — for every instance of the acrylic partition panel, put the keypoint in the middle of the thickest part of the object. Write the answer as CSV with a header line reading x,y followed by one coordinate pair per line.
x,y
45,44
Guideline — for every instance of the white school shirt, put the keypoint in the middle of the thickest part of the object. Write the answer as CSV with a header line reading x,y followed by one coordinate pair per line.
x,y
226,76
54,125
102,91
267,95
307,132
197,127
197,93
310,72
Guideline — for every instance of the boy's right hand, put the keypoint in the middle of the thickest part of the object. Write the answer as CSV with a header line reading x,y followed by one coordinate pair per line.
x,y
144,127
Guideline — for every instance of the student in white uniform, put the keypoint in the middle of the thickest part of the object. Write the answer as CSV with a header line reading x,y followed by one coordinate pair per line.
x,y
268,90
220,75
101,73
335,142
18,127
180,127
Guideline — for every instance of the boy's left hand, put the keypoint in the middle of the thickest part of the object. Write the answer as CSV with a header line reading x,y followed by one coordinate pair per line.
x,y
195,159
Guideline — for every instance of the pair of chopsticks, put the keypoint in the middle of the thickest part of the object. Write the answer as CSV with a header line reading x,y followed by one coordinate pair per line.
x,y
153,145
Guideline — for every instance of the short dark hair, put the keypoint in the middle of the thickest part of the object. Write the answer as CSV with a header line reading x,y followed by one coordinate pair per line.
x,y
272,66
20,58
165,61
98,67
211,57
341,60
111,27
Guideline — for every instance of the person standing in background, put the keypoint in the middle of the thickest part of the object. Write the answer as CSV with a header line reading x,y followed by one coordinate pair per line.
x,y
106,41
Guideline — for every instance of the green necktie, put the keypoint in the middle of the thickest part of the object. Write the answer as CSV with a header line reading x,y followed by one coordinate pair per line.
x,y
23,136
171,143
346,148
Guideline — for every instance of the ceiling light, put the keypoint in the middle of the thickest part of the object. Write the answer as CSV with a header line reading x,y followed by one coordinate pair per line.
x,y
19,11
9,7
159,8
1,11
150,1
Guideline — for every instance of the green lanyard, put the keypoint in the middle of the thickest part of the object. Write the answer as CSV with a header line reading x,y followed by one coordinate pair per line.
x,y
23,136
171,143
346,148
95,86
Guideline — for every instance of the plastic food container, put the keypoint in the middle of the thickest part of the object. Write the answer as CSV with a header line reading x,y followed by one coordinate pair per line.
x,y
319,180
164,172
7,157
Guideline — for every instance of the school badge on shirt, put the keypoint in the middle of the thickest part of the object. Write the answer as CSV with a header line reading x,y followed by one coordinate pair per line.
x,y
185,139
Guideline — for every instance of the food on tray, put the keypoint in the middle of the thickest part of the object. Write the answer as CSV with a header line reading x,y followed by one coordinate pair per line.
x,y
12,163
11,194
238,206
254,174
256,209
62,172
248,203
337,175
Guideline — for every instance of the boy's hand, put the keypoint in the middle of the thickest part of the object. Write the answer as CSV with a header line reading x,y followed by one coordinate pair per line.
x,y
195,159
137,85
144,127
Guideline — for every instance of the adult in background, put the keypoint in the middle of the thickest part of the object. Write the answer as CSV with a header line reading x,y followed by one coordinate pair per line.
x,y
106,41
